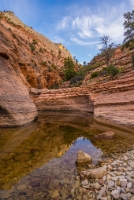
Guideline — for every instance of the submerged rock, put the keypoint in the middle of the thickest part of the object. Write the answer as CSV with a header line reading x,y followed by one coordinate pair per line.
x,y
94,173
83,157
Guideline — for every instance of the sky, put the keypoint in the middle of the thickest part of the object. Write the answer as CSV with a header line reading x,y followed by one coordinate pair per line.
x,y
77,24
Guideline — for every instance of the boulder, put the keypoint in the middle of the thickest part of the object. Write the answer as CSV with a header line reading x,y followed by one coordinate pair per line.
x,y
16,107
83,158
94,173
107,135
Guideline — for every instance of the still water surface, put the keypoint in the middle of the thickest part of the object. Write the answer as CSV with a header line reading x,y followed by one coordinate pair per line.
x,y
40,157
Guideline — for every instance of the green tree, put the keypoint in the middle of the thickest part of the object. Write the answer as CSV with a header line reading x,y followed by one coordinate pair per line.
x,y
69,71
59,52
84,63
128,26
107,49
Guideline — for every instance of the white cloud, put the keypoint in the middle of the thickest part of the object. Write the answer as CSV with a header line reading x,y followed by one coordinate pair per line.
x,y
78,41
85,33
64,23
89,25
114,29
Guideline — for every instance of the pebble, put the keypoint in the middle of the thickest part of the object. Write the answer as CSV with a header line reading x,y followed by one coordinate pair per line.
x,y
85,182
97,186
129,185
111,183
118,183
115,194
123,182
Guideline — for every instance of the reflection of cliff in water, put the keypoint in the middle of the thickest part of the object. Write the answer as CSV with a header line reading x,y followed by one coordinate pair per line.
x,y
39,145
24,149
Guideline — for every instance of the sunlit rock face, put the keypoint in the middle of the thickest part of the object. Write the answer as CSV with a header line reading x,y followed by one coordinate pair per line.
x,y
39,60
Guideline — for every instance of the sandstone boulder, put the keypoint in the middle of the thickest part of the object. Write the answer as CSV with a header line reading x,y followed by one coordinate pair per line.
x,y
83,158
16,108
94,173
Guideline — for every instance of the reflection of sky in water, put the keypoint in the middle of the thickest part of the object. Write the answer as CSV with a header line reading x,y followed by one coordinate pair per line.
x,y
84,145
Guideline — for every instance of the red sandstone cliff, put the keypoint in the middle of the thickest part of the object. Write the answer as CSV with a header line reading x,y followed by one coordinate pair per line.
x,y
27,59
38,59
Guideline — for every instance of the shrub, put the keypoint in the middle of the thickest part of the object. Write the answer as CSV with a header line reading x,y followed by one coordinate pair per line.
x,y
129,44
0,16
110,71
59,53
53,66
41,50
34,42
94,74
76,84
76,79
32,47
44,63
54,86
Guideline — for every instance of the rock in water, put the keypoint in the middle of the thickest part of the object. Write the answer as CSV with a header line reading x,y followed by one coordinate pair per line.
x,y
83,158
94,173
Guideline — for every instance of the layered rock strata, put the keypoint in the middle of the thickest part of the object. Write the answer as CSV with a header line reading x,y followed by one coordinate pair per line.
x,y
114,100
70,99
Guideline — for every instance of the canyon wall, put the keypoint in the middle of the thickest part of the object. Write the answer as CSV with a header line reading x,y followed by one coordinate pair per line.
x,y
27,59
40,61
113,97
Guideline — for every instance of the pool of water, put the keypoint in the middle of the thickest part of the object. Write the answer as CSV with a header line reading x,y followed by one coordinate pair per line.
x,y
39,158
